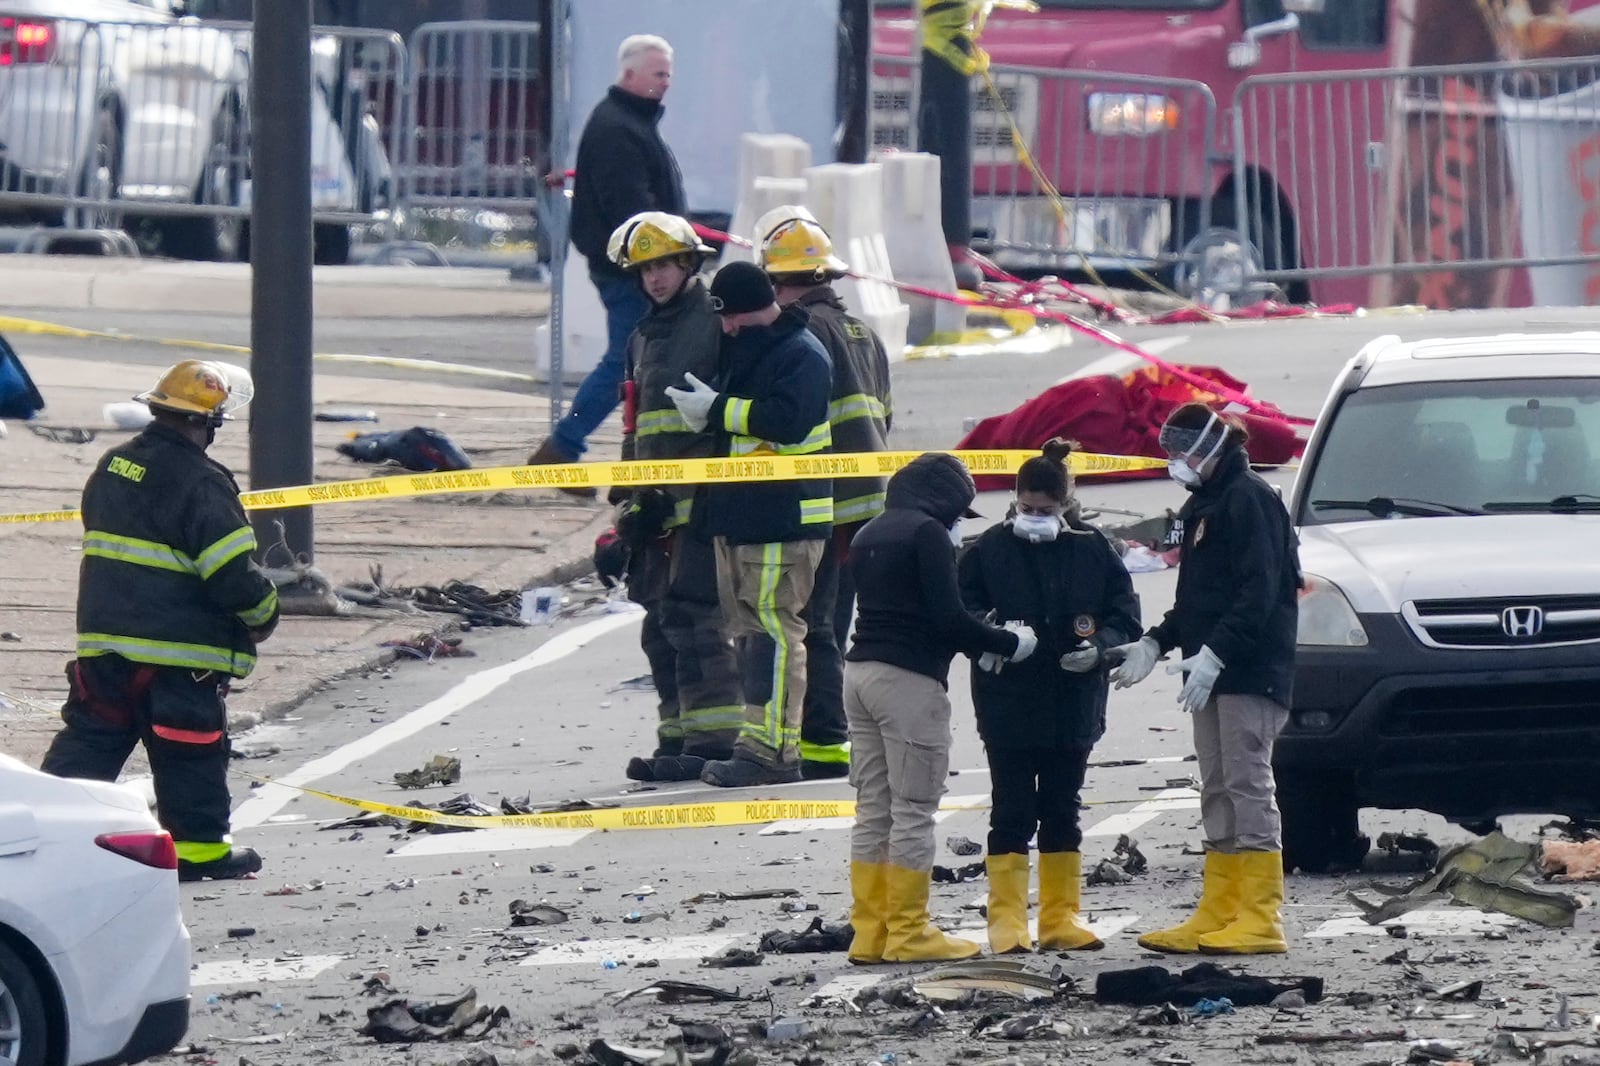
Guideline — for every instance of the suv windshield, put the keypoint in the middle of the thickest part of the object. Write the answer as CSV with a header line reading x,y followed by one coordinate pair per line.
x,y
1453,447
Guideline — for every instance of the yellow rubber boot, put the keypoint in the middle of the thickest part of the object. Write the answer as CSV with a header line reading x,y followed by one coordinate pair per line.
x,y
1258,927
1219,905
912,935
1060,885
1008,904
869,911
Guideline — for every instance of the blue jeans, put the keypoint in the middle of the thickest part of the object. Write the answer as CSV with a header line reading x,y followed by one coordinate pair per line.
x,y
626,304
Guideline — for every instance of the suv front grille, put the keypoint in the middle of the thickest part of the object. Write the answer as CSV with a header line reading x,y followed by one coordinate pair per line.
x,y
1513,622
1524,708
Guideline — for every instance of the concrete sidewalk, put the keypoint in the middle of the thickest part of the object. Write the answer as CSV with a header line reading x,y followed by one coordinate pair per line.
x,y
498,540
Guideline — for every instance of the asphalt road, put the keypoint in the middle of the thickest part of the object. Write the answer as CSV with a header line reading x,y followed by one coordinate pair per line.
x,y
554,714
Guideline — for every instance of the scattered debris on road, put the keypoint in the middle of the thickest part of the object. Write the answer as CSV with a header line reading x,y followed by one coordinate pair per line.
x,y
428,646
439,770
1149,986
816,937
400,1022
1564,860
525,913
1484,874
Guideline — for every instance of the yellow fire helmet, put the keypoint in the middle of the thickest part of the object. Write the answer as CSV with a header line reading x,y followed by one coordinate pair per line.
x,y
201,387
790,240
652,235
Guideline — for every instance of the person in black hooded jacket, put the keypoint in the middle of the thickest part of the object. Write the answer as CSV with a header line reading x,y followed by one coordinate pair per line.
x,y
910,623
1040,719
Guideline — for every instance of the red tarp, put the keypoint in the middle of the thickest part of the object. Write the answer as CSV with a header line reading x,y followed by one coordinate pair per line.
x,y
1121,416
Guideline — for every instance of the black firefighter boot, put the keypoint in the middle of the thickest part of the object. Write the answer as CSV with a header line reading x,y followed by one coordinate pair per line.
x,y
239,862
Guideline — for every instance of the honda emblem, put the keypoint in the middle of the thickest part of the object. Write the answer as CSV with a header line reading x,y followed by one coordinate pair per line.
x,y
1522,621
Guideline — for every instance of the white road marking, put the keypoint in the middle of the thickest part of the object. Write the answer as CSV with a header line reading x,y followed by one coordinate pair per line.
x,y
1119,362
493,839
847,985
630,950
257,971
269,799
1453,921
1170,799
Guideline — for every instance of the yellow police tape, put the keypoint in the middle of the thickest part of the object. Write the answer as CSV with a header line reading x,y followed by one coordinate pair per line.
x,y
758,467
719,814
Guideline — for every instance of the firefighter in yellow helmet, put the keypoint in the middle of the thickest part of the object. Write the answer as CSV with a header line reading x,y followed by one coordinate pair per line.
x,y
170,609
797,253
672,569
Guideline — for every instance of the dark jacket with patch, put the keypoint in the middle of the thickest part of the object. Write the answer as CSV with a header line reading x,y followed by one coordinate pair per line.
x,y
859,409
908,604
774,401
623,167
166,576
1071,589
1238,583
682,336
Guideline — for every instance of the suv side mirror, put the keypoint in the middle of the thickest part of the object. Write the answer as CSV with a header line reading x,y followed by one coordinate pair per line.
x,y
1242,55
1305,7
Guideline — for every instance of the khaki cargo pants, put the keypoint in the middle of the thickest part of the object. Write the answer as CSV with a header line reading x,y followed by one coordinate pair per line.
x,y
763,589
899,757
1233,738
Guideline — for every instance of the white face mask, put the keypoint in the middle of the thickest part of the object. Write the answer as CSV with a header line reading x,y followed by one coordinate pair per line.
x,y
955,534
1035,528
1180,471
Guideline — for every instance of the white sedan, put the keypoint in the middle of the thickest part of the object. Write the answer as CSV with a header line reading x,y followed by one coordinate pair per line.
x,y
94,955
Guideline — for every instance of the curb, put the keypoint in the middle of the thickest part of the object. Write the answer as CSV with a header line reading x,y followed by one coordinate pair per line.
x,y
570,558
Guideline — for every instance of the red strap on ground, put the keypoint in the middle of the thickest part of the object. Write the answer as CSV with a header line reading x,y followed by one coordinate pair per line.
x,y
1089,329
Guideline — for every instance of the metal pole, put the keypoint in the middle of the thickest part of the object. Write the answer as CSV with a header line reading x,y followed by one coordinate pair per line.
x,y
280,262
853,88
944,113
555,206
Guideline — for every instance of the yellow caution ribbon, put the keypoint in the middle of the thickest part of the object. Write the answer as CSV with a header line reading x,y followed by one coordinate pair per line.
x,y
717,814
633,475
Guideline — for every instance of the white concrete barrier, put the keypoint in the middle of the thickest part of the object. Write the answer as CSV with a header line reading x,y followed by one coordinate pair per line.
x,y
764,157
764,195
914,236
847,199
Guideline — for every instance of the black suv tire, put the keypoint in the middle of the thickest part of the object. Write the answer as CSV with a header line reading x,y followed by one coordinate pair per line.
x,y
1321,822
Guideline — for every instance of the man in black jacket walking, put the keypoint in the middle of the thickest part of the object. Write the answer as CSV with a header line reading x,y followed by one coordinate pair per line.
x,y
623,168
769,535
170,607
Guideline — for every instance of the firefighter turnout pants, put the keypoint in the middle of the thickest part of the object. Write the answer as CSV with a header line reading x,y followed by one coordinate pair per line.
x,y
764,589
899,758
824,735
179,715
696,674
1233,740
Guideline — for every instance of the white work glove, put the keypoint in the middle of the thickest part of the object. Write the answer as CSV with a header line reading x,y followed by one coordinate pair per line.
x,y
1203,668
1080,661
1137,660
695,403
1026,640
991,662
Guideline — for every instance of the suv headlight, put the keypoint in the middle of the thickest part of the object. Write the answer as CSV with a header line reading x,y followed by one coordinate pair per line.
x,y
1131,114
1326,617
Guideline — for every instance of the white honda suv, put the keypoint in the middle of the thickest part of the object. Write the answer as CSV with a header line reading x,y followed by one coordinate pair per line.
x,y
1448,509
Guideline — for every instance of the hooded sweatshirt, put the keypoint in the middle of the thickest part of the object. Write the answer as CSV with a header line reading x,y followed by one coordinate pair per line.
x,y
909,606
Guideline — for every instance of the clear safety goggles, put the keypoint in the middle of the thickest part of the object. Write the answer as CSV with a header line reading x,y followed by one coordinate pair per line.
x,y
1182,443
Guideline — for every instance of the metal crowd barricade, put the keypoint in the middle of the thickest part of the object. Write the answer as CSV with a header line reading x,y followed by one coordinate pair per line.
x,y
101,122
472,133
1073,169
1432,178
